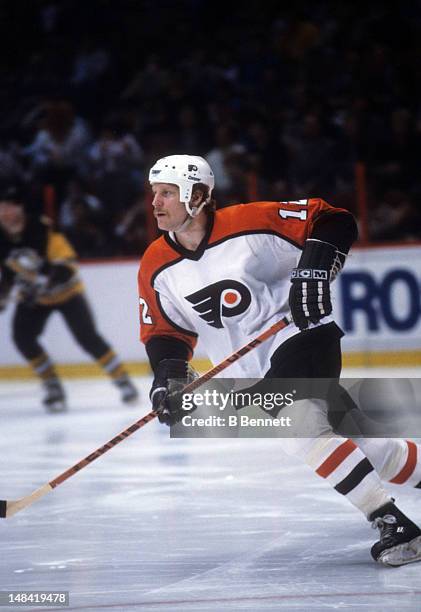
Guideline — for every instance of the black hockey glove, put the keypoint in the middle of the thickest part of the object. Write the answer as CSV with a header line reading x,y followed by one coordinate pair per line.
x,y
309,296
171,376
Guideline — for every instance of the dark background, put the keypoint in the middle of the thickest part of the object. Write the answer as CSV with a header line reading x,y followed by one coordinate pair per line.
x,y
283,100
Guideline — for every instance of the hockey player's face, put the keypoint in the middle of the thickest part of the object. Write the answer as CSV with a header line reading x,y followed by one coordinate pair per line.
x,y
169,212
12,217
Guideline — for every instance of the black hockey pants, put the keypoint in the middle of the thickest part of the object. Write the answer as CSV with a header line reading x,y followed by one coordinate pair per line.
x,y
29,322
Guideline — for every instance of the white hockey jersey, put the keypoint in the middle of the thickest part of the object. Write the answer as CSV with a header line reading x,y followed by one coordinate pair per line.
x,y
234,286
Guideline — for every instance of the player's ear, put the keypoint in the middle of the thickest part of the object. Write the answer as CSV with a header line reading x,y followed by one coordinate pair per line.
x,y
197,197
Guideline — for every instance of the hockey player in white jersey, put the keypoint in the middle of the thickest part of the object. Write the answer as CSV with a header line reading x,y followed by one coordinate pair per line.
x,y
225,275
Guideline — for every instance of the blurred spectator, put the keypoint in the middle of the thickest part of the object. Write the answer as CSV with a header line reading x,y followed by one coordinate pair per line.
x,y
92,72
347,151
149,82
90,63
396,217
58,151
191,133
222,159
396,157
311,159
115,163
82,220
131,232
267,153
241,179
10,165
49,14
317,87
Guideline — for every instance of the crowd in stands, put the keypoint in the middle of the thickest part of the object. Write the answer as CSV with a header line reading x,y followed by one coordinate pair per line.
x,y
282,100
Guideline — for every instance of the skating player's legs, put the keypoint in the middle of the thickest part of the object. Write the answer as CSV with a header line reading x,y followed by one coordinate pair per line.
x,y
79,318
332,457
343,463
28,324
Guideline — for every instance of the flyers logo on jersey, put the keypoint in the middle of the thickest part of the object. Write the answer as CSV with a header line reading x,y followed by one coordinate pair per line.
x,y
227,298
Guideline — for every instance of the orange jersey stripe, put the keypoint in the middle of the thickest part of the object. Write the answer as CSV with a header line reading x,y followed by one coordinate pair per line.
x,y
292,220
409,466
158,255
336,458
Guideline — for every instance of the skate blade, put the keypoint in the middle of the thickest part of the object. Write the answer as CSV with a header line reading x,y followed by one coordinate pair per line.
x,y
131,402
402,554
56,407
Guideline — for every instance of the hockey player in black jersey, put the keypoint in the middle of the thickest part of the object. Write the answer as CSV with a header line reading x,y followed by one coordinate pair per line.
x,y
39,265
225,276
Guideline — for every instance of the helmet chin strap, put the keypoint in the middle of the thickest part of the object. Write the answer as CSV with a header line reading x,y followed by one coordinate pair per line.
x,y
192,213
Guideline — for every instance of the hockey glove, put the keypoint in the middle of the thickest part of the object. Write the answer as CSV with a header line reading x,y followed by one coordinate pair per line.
x,y
171,376
25,263
309,296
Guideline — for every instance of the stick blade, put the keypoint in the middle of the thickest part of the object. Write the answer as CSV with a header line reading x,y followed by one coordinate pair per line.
x,y
11,507
3,508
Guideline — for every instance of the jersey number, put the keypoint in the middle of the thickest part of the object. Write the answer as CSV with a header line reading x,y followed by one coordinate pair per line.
x,y
144,310
294,214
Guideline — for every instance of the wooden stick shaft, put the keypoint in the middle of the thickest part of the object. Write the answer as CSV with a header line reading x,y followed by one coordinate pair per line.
x,y
102,449
7,508
151,415
271,331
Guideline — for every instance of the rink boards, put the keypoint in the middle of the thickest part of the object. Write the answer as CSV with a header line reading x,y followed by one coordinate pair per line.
x,y
376,301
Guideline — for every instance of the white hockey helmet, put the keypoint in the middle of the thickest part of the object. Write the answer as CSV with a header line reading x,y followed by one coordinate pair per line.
x,y
184,171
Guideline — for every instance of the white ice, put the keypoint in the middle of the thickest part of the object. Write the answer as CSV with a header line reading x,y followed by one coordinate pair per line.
x,y
181,525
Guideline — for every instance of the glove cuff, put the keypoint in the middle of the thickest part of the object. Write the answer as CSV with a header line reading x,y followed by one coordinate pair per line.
x,y
319,261
153,392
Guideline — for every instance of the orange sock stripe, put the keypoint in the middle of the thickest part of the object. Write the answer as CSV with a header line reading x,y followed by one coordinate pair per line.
x,y
336,458
409,466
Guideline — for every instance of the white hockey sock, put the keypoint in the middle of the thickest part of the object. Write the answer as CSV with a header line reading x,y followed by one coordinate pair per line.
x,y
337,459
345,467
396,461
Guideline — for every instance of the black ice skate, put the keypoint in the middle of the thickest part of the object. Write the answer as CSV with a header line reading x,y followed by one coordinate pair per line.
x,y
55,399
128,392
400,538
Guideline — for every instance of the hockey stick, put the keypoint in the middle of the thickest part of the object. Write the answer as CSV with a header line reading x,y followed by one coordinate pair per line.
x,y
10,507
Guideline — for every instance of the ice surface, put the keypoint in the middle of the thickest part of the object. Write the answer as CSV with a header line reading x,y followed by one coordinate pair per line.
x,y
180,525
